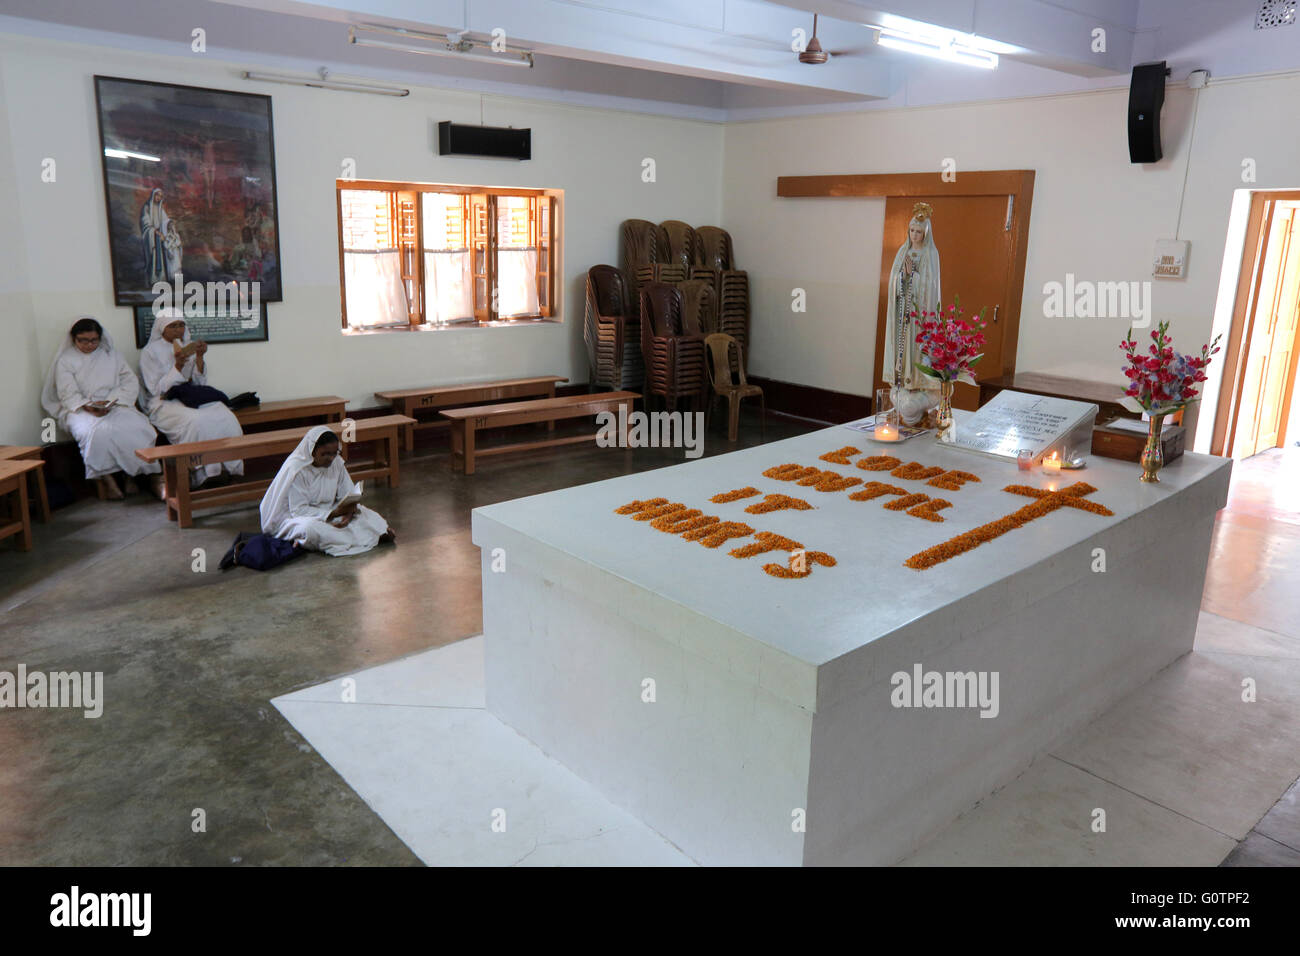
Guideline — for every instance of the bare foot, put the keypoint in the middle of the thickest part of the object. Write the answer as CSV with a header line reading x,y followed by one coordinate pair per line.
x,y
389,537
158,487
109,489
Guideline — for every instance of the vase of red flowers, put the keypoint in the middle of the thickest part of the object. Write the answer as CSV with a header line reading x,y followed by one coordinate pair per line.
x,y
1161,381
949,345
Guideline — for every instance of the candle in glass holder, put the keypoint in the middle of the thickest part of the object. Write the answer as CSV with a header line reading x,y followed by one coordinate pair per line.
x,y
886,432
1025,459
1052,464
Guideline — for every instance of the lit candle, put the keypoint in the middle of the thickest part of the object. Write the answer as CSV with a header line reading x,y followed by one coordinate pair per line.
x,y
886,432
1052,464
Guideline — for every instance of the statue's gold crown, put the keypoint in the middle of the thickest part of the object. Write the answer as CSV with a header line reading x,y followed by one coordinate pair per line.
x,y
922,211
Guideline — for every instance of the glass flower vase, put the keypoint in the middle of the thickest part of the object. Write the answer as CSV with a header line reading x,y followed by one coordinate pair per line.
x,y
946,430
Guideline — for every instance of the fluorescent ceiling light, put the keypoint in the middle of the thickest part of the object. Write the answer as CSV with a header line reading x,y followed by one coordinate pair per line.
x,y
440,44
127,154
323,83
931,33
955,48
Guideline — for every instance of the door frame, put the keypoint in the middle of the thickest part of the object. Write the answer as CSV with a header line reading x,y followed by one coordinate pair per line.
x,y
1018,183
1240,332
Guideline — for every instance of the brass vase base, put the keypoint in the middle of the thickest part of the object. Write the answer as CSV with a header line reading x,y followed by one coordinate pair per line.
x,y
1153,457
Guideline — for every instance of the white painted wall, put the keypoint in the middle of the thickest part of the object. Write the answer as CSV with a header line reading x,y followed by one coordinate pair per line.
x,y
22,365
47,110
1094,215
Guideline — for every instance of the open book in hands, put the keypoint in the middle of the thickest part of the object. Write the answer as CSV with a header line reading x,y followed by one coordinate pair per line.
x,y
347,505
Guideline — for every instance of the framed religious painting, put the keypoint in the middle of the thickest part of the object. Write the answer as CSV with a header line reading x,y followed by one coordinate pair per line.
x,y
189,182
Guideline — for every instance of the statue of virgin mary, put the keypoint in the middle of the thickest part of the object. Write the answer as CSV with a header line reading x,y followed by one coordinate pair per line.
x,y
913,286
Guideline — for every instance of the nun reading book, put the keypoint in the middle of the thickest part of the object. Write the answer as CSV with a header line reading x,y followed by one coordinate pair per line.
x,y
314,502
90,391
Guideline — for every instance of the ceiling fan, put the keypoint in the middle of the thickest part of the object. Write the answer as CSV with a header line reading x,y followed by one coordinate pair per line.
x,y
814,55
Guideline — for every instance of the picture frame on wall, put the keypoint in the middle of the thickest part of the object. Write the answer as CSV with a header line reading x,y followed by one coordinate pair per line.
x,y
189,184
214,326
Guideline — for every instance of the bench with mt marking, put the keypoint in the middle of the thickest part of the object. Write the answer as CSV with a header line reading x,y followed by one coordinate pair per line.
x,y
329,408
406,401
383,432
465,422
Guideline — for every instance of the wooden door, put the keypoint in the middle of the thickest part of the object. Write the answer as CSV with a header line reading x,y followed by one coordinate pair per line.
x,y
976,238
1270,362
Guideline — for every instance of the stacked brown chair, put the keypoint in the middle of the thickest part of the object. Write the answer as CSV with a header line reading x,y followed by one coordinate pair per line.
x,y
713,249
699,307
727,379
661,272
675,365
639,245
638,251
733,308
678,245
612,331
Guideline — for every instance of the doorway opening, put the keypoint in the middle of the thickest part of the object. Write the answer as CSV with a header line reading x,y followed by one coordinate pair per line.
x,y
1257,401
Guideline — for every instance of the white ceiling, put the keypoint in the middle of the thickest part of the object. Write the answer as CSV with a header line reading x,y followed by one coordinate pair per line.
x,y
710,59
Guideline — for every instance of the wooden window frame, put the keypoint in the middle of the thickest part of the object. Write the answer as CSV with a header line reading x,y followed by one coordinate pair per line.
x,y
413,269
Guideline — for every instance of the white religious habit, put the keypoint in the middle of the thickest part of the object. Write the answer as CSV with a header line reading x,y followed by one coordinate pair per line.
x,y
301,497
913,285
107,442
174,418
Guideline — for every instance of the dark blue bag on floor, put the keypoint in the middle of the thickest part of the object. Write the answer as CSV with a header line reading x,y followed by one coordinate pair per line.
x,y
261,552
195,396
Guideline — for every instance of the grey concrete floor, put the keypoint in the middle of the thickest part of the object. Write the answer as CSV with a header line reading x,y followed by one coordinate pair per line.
x,y
191,660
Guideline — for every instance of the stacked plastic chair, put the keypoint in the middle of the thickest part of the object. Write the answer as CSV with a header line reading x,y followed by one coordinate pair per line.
x,y
675,363
733,308
674,253
714,249
638,249
612,331
699,307
715,261
679,245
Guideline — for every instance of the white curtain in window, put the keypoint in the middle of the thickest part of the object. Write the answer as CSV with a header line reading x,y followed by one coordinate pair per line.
x,y
517,282
375,293
448,285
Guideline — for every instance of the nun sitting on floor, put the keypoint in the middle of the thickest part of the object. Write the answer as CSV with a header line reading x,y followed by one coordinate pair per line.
x,y
164,367
303,503
90,391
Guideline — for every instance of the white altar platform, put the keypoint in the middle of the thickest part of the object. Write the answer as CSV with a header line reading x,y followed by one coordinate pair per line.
x,y
771,737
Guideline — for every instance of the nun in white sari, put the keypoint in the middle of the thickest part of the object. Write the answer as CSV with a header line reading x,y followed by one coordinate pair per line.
x,y
161,369
303,502
90,391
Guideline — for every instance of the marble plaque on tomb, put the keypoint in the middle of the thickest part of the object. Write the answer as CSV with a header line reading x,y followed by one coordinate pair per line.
x,y
1012,421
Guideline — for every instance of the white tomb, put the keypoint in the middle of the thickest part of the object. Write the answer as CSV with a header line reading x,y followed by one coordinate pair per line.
x,y
750,719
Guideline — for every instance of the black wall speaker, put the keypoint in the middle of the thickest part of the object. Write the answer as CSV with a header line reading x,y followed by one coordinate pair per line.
x,y
498,142
1146,95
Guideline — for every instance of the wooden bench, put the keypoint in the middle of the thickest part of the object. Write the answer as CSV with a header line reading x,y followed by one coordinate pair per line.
x,y
177,460
407,400
328,408
13,482
35,475
465,422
